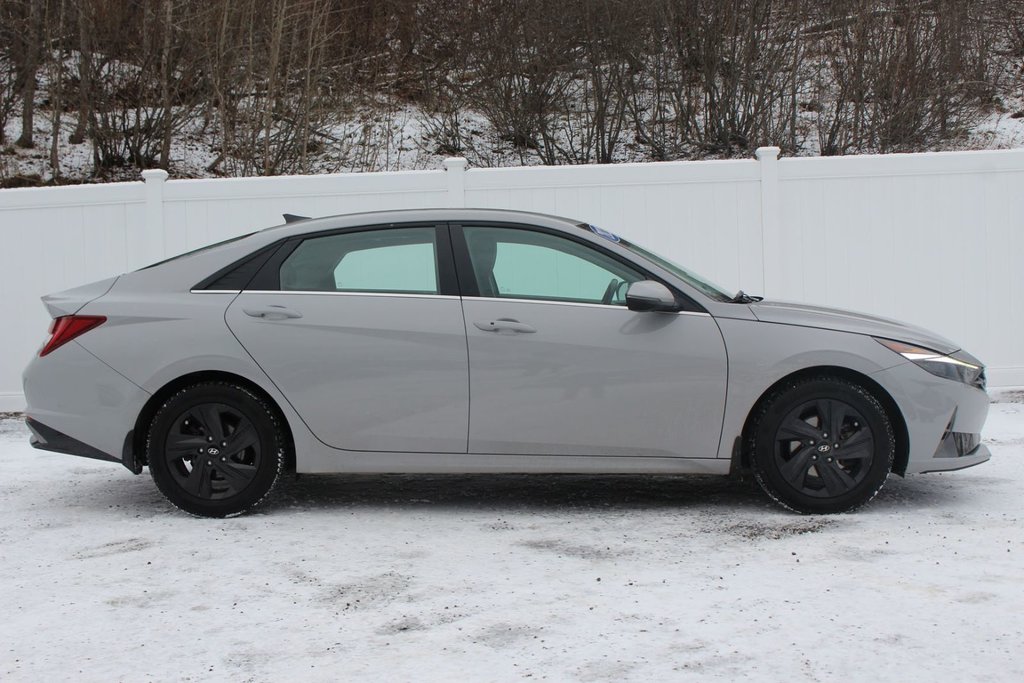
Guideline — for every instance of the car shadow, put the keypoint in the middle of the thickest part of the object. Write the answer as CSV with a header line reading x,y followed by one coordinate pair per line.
x,y
566,492
116,490
513,492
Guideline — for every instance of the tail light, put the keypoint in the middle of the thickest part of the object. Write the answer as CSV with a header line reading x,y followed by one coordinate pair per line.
x,y
68,327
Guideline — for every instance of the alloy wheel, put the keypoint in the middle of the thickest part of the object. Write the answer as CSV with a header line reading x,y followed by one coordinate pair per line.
x,y
824,448
212,451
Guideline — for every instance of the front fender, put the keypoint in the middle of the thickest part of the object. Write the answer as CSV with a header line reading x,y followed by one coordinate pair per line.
x,y
760,354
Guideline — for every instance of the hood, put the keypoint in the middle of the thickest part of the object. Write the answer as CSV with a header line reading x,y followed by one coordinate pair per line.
x,y
786,313
71,301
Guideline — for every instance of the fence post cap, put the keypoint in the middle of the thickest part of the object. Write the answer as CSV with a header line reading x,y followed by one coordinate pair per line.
x,y
767,153
453,163
156,174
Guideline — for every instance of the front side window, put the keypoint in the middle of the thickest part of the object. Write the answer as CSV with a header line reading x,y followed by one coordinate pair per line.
x,y
527,264
390,261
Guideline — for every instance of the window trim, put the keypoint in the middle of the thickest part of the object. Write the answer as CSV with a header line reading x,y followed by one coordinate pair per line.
x,y
555,302
467,275
386,295
268,279
258,258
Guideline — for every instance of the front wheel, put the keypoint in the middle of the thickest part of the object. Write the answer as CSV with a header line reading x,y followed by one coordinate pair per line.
x,y
821,445
215,449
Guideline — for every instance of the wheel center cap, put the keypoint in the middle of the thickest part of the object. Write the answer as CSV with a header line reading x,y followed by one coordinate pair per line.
x,y
823,448
213,450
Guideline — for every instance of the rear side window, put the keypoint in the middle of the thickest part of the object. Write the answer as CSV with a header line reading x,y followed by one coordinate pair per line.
x,y
402,260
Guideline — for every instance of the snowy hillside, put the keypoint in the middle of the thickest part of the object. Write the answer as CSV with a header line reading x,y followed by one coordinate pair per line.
x,y
97,91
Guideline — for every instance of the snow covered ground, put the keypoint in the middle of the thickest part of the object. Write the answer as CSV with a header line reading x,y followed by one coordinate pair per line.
x,y
506,578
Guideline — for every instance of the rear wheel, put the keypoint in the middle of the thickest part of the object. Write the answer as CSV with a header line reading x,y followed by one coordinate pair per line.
x,y
215,449
822,445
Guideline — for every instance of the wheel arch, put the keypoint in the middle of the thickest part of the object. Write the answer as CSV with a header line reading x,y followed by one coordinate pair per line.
x,y
902,455
134,455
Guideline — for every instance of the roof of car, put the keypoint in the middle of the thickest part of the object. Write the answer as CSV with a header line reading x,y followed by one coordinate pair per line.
x,y
397,216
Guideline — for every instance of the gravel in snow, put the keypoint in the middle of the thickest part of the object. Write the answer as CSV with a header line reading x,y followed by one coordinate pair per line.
x,y
500,578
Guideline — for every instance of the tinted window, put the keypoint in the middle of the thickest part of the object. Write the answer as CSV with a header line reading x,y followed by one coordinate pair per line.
x,y
526,264
402,260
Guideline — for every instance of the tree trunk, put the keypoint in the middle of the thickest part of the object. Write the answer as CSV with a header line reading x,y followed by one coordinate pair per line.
x,y
276,38
56,88
85,93
165,85
30,66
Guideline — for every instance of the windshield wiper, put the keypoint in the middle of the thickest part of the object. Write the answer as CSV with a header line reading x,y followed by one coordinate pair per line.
x,y
744,298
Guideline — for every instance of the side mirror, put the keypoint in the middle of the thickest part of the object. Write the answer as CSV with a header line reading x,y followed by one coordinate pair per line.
x,y
648,295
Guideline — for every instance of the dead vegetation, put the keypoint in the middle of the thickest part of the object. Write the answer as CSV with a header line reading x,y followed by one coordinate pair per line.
x,y
268,83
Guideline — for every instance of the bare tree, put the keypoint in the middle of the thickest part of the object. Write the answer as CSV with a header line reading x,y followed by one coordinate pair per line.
x,y
84,15
286,86
901,76
9,86
29,42
54,34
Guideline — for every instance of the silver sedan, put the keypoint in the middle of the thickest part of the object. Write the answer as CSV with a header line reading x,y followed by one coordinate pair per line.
x,y
456,341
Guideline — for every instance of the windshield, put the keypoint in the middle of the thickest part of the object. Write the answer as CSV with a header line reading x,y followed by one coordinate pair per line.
x,y
707,287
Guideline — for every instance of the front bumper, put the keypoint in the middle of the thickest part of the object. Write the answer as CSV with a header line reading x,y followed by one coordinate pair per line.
x,y
944,419
977,456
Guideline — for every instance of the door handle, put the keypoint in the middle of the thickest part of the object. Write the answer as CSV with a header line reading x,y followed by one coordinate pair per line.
x,y
506,326
272,312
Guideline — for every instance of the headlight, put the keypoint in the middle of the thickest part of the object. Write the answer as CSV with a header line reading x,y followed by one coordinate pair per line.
x,y
965,369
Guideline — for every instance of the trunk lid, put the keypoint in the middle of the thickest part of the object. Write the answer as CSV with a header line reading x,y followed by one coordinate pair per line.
x,y
71,301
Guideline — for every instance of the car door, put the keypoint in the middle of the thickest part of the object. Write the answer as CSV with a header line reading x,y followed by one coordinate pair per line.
x,y
559,364
362,331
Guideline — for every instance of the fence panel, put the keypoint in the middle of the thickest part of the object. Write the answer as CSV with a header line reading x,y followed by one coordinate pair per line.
x,y
931,239
53,239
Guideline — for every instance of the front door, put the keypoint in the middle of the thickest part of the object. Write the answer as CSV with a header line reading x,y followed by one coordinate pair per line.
x,y
559,365
365,338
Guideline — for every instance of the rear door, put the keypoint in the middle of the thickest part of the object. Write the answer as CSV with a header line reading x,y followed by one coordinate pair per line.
x,y
559,365
362,331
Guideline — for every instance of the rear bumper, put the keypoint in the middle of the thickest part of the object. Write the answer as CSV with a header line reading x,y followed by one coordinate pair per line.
x,y
77,404
48,439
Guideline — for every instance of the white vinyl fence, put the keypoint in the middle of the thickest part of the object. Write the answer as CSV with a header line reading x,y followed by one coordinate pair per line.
x,y
934,239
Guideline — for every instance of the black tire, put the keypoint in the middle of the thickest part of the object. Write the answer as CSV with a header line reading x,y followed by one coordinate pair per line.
x,y
793,451
215,449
